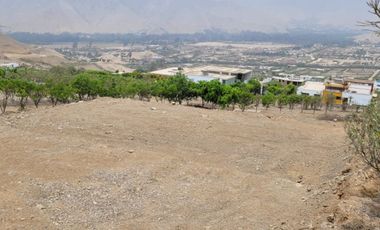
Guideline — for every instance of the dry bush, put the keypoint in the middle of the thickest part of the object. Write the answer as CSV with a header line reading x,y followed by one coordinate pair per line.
x,y
364,132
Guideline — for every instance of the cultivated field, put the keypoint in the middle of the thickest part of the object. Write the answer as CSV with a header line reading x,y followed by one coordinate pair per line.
x,y
122,164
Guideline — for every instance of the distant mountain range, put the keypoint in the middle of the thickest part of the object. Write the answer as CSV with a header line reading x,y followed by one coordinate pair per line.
x,y
176,16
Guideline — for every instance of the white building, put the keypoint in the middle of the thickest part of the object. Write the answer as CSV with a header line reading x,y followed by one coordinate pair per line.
x,y
10,65
359,92
311,88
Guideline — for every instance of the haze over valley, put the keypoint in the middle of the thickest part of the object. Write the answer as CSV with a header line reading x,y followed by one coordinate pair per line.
x,y
178,16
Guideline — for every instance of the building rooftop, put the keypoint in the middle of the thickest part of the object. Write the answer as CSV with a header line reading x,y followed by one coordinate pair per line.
x,y
360,89
168,72
290,79
335,85
226,70
310,85
360,81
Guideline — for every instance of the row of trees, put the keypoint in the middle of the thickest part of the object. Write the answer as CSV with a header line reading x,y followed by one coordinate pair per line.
x,y
73,85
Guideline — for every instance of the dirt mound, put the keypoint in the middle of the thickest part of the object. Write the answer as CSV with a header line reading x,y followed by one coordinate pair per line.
x,y
359,194
11,46
122,164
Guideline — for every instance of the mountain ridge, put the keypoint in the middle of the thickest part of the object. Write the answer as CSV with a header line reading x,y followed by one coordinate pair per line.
x,y
174,16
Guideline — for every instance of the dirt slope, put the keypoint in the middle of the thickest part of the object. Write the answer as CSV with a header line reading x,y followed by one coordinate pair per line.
x,y
8,45
13,51
121,164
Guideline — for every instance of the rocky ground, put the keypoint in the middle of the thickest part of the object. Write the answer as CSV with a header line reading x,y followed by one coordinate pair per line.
x,y
123,164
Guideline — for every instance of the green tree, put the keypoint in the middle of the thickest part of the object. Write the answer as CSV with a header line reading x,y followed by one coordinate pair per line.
x,y
315,103
282,100
22,89
268,99
61,92
86,85
245,99
230,96
37,92
8,89
254,86
294,100
212,92
2,72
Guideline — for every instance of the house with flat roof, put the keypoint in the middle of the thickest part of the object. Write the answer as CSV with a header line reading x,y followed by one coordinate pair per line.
x,y
311,89
224,72
359,92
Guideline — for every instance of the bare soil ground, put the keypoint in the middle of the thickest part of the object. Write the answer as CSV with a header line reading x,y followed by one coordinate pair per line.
x,y
123,164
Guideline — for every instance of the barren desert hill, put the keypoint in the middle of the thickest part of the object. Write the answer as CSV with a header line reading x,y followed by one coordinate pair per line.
x,y
9,45
124,164
14,51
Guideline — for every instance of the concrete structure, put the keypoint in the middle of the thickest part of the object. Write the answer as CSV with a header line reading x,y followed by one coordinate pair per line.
x,y
208,73
297,81
359,92
228,73
311,89
287,79
169,71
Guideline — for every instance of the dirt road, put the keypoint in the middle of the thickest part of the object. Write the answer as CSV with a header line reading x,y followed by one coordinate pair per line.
x,y
122,164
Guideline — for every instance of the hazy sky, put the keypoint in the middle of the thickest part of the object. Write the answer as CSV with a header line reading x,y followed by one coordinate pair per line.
x,y
179,15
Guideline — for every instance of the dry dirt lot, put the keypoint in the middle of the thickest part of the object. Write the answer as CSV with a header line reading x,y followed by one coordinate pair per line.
x,y
122,164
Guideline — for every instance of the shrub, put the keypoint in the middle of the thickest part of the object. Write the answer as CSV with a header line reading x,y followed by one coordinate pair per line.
x,y
364,132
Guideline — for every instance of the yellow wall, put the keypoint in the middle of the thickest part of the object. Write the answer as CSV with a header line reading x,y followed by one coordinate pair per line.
x,y
337,95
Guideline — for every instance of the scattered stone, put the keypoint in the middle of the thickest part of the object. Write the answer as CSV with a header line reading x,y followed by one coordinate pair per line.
x,y
300,179
308,189
346,171
131,151
331,218
340,195
173,103
108,132
153,108
40,207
